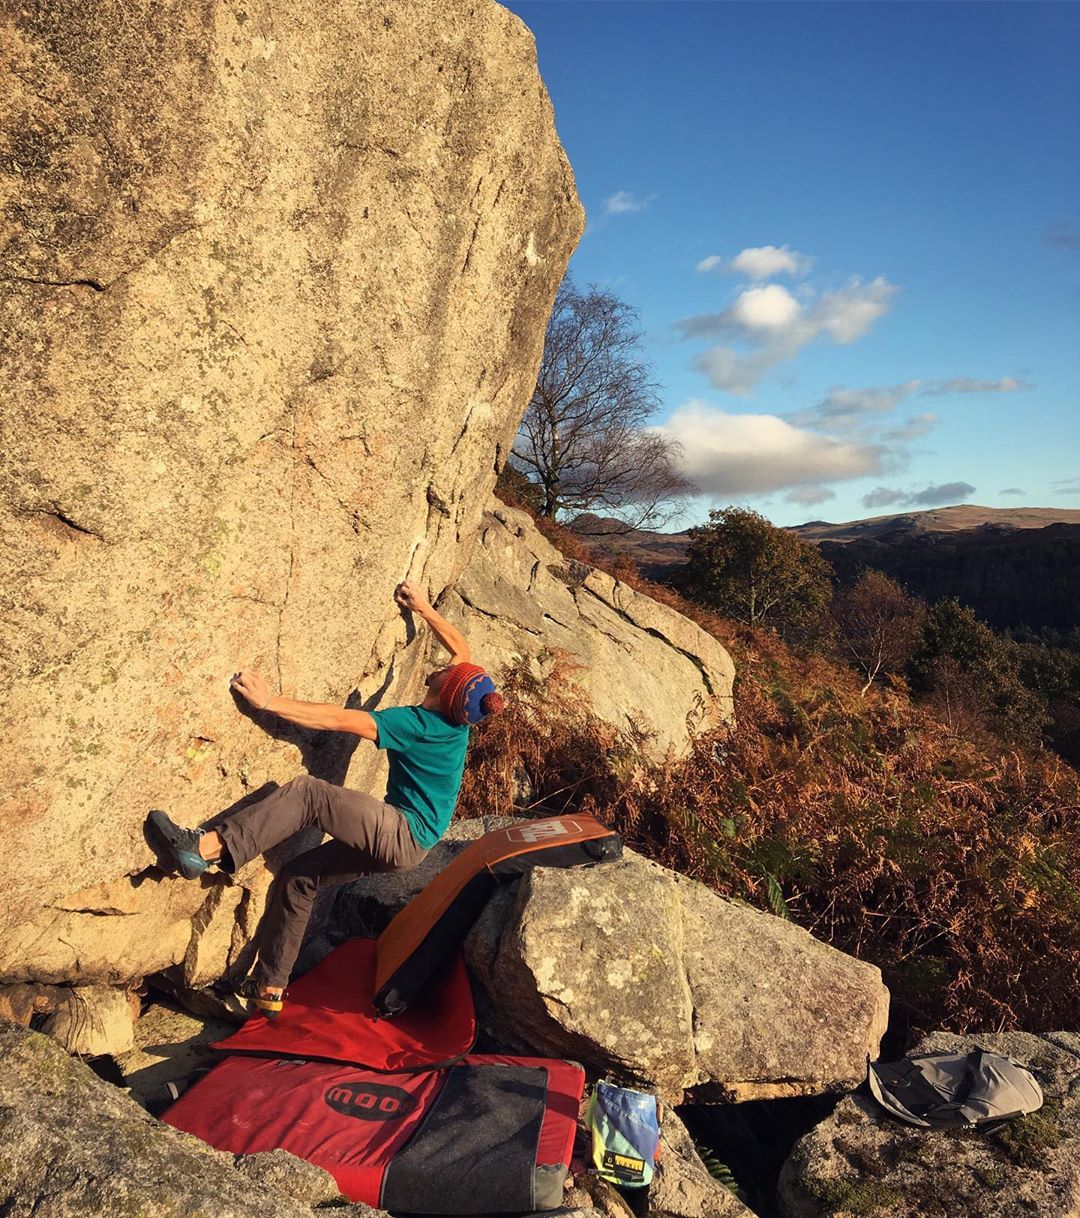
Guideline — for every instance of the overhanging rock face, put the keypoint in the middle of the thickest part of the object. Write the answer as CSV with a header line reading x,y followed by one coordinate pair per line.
x,y
276,277
631,968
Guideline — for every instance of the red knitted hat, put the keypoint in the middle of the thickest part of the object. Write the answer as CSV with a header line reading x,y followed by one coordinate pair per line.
x,y
468,694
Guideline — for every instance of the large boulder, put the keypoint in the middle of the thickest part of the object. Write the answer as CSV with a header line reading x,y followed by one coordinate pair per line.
x,y
637,661
861,1161
72,1146
276,279
635,970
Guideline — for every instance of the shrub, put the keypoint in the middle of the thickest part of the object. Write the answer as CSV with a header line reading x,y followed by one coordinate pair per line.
x,y
741,566
971,677
952,864
868,822
878,624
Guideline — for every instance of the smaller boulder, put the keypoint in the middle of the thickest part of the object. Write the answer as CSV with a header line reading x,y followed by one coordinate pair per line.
x,y
93,1020
863,1161
635,970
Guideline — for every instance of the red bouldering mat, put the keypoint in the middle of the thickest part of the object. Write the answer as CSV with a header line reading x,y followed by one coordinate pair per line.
x,y
492,1134
329,1015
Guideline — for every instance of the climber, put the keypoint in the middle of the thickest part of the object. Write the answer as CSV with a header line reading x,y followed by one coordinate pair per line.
x,y
425,746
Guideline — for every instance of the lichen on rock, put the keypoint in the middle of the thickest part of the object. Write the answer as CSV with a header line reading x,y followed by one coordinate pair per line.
x,y
862,1161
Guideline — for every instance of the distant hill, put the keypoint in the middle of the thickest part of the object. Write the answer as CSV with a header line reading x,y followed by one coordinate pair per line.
x,y
1013,566
654,553
938,520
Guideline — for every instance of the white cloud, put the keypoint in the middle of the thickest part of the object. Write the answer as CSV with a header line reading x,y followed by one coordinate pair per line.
x,y
967,384
931,496
765,261
843,408
761,262
915,428
772,320
848,314
1012,490
624,201
731,455
768,308
809,496
850,409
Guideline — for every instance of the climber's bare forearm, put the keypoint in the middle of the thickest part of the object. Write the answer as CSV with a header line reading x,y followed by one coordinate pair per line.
x,y
323,716
450,637
409,595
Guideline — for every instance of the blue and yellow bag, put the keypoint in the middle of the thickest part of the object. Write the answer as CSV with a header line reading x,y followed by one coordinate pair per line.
x,y
625,1128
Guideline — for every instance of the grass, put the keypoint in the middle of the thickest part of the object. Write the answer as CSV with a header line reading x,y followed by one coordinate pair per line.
x,y
1028,1140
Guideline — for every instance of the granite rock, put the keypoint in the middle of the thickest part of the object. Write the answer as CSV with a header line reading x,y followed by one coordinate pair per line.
x,y
647,975
863,1161
637,661
275,284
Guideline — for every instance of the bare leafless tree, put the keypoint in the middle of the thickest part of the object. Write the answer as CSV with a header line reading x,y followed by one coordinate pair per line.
x,y
584,440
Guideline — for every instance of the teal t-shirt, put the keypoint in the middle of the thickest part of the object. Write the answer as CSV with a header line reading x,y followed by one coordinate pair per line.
x,y
427,759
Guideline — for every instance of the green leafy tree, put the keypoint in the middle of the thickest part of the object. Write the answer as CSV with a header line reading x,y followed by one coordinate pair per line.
x,y
973,676
878,624
1053,673
742,566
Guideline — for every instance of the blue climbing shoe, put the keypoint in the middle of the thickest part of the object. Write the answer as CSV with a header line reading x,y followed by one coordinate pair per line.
x,y
178,846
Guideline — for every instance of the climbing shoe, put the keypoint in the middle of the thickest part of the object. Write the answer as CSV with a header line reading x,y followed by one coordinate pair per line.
x,y
269,1005
180,847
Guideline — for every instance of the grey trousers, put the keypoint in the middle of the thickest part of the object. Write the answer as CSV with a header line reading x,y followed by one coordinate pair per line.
x,y
369,835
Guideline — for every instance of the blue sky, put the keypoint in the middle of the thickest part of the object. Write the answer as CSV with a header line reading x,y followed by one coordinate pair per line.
x,y
852,232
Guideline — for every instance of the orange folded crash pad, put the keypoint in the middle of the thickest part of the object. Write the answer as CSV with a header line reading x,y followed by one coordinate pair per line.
x,y
431,927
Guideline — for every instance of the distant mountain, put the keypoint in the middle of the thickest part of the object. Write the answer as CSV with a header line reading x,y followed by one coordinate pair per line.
x,y
938,520
1013,566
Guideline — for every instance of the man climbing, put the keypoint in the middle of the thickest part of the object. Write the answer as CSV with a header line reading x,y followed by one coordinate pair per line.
x,y
425,746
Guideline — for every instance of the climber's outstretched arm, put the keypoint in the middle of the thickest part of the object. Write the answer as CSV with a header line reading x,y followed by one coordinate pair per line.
x,y
409,596
321,716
